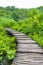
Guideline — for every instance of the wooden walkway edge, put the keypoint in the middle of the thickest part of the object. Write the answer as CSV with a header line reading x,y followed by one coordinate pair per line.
x,y
28,51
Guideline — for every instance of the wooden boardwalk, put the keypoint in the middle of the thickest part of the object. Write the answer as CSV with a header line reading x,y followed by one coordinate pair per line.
x,y
28,51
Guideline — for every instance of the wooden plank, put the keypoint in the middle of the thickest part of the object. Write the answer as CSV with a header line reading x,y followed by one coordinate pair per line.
x,y
29,48
18,34
13,31
28,59
26,41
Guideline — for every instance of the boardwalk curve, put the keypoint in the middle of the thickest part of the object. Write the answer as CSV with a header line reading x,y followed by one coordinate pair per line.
x,y
28,51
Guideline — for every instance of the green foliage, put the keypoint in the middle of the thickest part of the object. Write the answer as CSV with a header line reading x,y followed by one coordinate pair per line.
x,y
13,13
7,44
28,21
32,26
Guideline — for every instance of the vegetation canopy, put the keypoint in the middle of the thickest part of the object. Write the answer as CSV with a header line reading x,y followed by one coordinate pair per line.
x,y
28,21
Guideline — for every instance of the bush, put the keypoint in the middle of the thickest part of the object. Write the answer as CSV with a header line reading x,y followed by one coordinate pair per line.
x,y
7,45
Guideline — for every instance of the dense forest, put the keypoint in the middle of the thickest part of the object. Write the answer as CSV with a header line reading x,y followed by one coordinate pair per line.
x,y
28,21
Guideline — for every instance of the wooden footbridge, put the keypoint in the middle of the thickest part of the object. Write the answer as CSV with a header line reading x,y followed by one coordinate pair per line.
x,y
28,51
